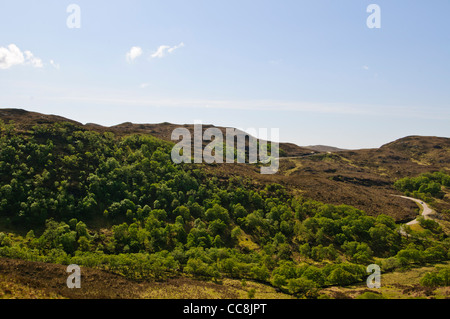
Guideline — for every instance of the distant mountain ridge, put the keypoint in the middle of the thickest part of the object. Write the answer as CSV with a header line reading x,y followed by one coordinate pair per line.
x,y
324,148
26,120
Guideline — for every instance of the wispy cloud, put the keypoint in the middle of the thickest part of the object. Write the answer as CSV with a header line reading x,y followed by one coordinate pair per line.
x,y
161,52
144,85
126,98
164,49
54,64
32,60
365,67
175,47
12,55
133,54
276,61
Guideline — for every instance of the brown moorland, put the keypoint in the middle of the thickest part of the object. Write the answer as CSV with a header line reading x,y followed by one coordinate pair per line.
x,y
21,279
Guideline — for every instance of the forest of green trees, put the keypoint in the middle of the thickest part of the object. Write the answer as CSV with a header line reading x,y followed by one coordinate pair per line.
x,y
69,195
425,186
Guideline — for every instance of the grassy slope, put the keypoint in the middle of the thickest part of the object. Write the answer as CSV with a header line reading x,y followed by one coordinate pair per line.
x,y
21,279
30,280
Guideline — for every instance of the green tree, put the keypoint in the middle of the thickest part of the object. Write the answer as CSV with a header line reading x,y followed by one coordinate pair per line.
x,y
217,212
301,286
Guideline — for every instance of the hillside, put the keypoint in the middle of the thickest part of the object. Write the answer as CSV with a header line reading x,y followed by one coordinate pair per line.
x,y
23,279
25,120
112,200
362,178
33,280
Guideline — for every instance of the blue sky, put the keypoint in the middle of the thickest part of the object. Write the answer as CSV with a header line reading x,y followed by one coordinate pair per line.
x,y
311,68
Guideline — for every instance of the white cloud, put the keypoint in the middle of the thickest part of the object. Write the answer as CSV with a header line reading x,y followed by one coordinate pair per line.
x,y
176,47
365,67
54,64
161,52
133,54
34,61
12,56
164,49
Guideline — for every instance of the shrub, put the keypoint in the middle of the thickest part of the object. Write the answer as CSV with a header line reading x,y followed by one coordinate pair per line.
x,y
436,279
431,280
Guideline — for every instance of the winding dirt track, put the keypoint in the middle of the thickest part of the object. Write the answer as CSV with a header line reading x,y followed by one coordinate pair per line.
x,y
427,213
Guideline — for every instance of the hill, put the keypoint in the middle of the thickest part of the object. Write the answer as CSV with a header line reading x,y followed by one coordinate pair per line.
x,y
25,120
362,178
